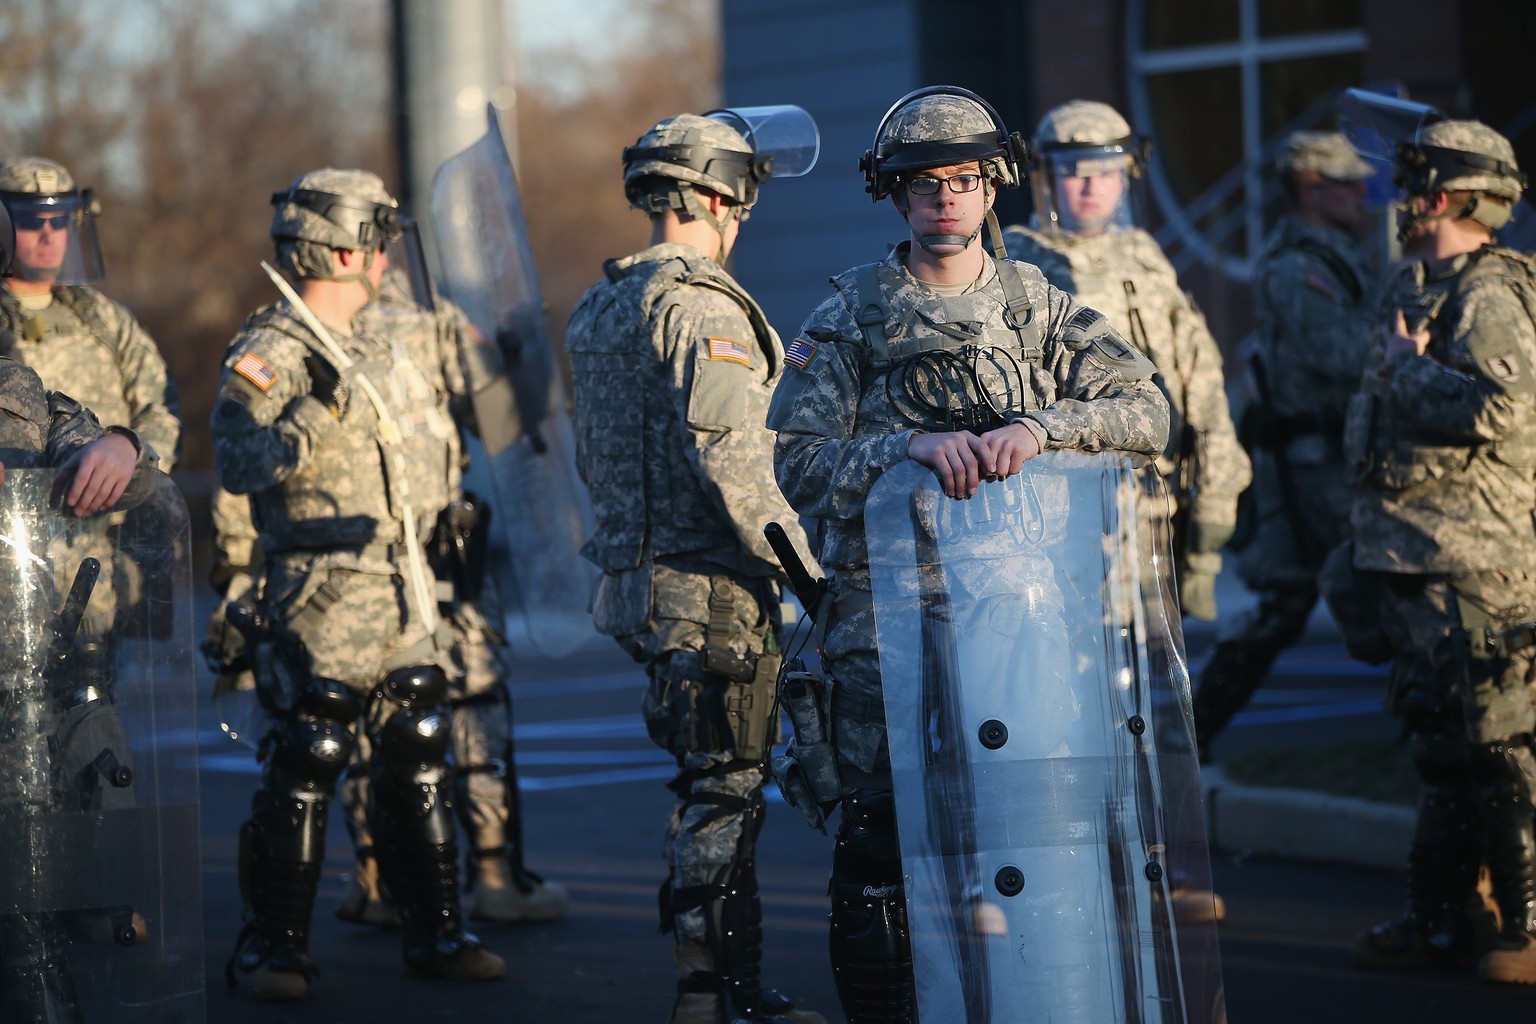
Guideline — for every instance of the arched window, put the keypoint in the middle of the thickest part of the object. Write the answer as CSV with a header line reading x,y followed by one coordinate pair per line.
x,y
1217,83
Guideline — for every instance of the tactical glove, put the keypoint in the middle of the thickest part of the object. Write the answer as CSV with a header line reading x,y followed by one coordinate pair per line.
x,y
327,385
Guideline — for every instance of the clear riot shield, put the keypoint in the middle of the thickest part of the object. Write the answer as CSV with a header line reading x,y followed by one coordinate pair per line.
x,y
1042,751
100,876
525,426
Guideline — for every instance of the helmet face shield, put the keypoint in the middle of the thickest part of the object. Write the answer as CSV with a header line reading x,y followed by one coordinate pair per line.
x,y
784,139
1375,123
1088,189
56,239
406,277
353,223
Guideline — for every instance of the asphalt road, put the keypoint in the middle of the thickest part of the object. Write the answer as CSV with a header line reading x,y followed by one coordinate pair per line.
x,y
595,805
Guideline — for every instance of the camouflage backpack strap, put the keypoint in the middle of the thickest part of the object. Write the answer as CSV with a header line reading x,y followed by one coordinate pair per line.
x,y
1020,313
869,311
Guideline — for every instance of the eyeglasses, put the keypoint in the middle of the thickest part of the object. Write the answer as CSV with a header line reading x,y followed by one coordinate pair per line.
x,y
37,221
927,184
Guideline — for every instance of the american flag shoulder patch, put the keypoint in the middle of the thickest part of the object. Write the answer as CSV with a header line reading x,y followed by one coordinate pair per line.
x,y
255,369
799,353
725,348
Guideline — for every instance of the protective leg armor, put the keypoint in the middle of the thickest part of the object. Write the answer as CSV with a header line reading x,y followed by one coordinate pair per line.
x,y
283,844
1504,798
416,847
870,945
1442,866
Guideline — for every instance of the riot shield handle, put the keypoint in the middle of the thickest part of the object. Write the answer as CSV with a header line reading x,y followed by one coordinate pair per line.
x,y
809,591
67,623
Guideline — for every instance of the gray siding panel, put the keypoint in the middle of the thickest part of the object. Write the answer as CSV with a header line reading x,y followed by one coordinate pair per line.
x,y
845,62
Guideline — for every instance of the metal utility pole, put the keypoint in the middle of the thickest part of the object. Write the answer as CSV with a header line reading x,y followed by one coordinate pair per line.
x,y
451,58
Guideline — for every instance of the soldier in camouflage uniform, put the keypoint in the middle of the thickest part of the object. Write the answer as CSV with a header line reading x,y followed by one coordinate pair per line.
x,y
83,343
1441,438
342,439
844,414
487,803
1314,310
673,364
1087,240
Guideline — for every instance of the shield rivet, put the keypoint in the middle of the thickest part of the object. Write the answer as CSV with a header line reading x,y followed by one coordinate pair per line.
x,y
1154,871
993,734
1009,880
1137,725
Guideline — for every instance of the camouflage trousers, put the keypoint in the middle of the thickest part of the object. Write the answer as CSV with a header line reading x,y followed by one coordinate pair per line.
x,y
356,626
1463,651
481,736
714,824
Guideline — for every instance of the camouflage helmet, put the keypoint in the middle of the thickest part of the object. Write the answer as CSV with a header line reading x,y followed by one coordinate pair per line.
x,y
35,191
1328,154
1458,156
35,176
338,209
1085,130
935,127
693,149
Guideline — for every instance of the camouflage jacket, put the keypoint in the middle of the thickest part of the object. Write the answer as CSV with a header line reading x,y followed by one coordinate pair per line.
x,y
87,345
40,428
1444,444
429,336
673,364
1125,276
1314,311
317,482
839,426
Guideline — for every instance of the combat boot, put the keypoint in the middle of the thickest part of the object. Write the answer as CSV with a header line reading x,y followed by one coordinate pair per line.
x,y
366,900
269,972
509,898
458,957
700,1000
1410,944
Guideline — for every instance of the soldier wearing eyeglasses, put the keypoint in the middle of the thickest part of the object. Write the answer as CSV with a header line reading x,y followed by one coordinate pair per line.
x,y
963,362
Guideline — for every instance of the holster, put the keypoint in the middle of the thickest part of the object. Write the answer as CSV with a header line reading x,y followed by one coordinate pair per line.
x,y
807,771
461,544
278,661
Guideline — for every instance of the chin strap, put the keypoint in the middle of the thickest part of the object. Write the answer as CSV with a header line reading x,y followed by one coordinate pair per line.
x,y
695,208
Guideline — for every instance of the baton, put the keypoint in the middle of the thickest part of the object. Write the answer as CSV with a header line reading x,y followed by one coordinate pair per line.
x,y
809,591
67,623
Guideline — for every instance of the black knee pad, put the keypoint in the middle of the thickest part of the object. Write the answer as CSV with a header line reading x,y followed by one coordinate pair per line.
x,y
870,947
314,743
415,686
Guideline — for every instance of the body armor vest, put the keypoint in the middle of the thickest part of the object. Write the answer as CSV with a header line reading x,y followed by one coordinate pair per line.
x,y
353,488
647,501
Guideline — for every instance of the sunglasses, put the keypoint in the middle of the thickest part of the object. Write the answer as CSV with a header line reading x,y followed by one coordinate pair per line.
x,y
37,221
